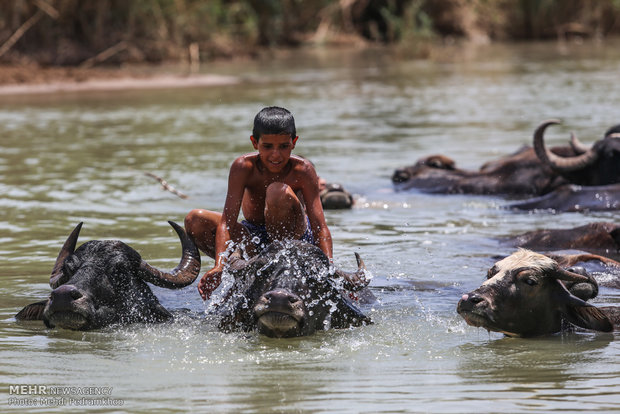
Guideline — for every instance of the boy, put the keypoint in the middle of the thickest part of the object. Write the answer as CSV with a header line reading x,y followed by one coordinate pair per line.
x,y
277,192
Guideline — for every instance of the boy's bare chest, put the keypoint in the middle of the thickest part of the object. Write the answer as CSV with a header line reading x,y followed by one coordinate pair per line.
x,y
258,183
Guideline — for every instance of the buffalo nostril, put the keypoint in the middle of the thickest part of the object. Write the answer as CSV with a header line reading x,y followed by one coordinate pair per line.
x,y
76,294
66,292
400,176
281,298
475,299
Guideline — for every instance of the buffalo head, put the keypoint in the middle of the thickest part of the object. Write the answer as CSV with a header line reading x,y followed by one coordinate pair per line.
x,y
289,290
598,165
104,282
335,197
524,296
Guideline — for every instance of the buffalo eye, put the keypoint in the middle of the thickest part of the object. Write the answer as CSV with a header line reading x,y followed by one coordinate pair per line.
x,y
71,265
528,278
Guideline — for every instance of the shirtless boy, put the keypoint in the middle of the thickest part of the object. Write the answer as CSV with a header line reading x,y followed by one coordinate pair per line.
x,y
266,186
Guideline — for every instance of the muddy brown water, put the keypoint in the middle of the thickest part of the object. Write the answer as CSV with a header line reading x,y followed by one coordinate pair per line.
x,y
80,156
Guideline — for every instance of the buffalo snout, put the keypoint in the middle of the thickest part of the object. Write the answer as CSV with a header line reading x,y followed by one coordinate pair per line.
x,y
281,301
401,175
68,308
474,308
63,298
280,313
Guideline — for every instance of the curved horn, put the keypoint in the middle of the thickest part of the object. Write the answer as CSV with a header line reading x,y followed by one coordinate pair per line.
x,y
576,145
355,281
557,163
182,275
563,274
58,277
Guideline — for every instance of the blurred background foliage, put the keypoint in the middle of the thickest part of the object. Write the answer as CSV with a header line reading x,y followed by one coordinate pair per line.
x,y
72,32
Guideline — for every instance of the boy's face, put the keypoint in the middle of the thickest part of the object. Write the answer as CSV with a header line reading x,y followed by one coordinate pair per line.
x,y
274,150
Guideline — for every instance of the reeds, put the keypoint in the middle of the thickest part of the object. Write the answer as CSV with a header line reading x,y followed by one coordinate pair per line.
x,y
200,30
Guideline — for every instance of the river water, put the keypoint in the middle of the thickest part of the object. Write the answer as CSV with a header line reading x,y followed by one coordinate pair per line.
x,y
71,157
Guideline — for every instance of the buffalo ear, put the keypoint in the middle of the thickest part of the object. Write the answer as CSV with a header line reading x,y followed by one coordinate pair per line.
x,y
348,315
160,314
32,312
588,317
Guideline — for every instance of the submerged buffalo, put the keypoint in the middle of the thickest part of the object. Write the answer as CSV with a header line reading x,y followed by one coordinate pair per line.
x,y
534,171
529,294
289,290
574,198
595,166
103,282
602,238
593,174
521,173
334,196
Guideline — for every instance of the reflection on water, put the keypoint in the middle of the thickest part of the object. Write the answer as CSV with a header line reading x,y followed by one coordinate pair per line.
x,y
81,157
554,359
556,372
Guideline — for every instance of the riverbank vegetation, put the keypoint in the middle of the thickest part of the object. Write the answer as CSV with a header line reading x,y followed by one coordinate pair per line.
x,y
88,33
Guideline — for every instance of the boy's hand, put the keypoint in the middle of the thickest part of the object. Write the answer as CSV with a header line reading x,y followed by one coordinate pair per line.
x,y
209,282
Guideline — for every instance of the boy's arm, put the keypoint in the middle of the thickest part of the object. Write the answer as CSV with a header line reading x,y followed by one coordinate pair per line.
x,y
232,206
234,196
314,210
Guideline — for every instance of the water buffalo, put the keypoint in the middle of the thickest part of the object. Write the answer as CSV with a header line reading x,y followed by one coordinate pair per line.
x,y
335,197
104,282
521,173
529,294
530,171
595,166
574,198
602,238
289,289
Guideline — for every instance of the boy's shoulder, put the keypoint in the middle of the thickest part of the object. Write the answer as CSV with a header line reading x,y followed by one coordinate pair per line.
x,y
298,160
302,165
245,160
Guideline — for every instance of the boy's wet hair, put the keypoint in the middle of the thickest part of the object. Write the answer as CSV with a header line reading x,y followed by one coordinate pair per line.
x,y
274,120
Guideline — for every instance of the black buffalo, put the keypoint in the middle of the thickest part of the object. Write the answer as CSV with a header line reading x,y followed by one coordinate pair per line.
x,y
594,174
574,198
602,238
594,166
529,294
103,282
289,290
521,173
335,197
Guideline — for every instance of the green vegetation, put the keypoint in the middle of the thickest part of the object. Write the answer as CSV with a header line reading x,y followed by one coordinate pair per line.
x,y
71,32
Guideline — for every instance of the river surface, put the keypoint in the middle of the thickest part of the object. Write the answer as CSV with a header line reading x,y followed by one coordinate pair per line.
x,y
71,157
